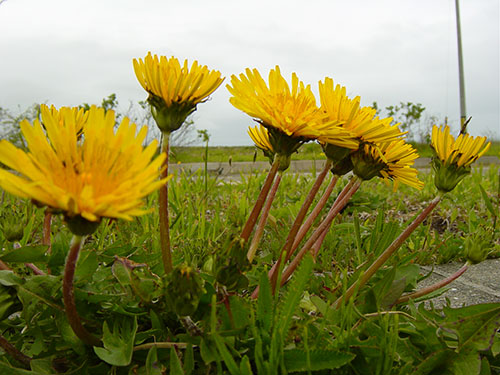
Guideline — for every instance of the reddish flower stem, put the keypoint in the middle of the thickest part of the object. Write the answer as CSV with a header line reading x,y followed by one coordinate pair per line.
x,y
316,211
68,294
317,245
433,287
35,269
387,253
166,251
263,219
14,352
252,219
287,248
334,210
4,267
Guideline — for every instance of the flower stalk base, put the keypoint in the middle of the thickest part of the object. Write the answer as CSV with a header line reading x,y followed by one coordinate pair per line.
x,y
69,297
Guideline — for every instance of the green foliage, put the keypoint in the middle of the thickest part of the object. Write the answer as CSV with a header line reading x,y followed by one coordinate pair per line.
x,y
217,328
119,343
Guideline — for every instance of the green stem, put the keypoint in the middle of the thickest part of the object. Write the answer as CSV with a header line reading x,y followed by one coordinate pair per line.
x,y
252,219
14,352
288,247
166,251
433,287
387,253
263,219
68,294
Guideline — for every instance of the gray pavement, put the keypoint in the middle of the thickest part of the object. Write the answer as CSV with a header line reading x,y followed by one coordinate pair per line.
x,y
297,166
479,284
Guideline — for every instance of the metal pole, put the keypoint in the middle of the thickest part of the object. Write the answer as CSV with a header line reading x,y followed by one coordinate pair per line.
x,y
463,112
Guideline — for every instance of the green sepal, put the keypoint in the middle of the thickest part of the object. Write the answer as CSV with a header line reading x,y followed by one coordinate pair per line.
x,y
80,226
364,166
169,118
447,177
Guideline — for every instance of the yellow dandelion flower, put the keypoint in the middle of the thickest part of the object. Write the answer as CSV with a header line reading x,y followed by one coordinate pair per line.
x,y
453,157
360,122
106,174
174,90
289,112
390,160
260,137
66,114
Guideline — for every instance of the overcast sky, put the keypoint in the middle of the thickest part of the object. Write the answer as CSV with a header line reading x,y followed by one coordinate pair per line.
x,y
67,52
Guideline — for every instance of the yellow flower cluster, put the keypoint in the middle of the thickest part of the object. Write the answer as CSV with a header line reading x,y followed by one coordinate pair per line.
x,y
104,174
289,117
288,112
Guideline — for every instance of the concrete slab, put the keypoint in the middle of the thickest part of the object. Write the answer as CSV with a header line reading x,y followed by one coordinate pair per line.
x,y
479,284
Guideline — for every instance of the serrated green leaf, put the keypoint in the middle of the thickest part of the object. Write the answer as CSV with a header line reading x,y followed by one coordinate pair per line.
x,y
25,254
119,344
296,360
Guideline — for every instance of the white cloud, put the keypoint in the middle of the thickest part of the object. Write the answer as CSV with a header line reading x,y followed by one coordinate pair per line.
x,y
69,52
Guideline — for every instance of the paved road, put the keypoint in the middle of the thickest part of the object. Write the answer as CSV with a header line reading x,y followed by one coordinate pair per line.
x,y
300,166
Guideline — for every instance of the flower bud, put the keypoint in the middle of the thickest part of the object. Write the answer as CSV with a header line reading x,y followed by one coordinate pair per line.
x,y
476,249
184,289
